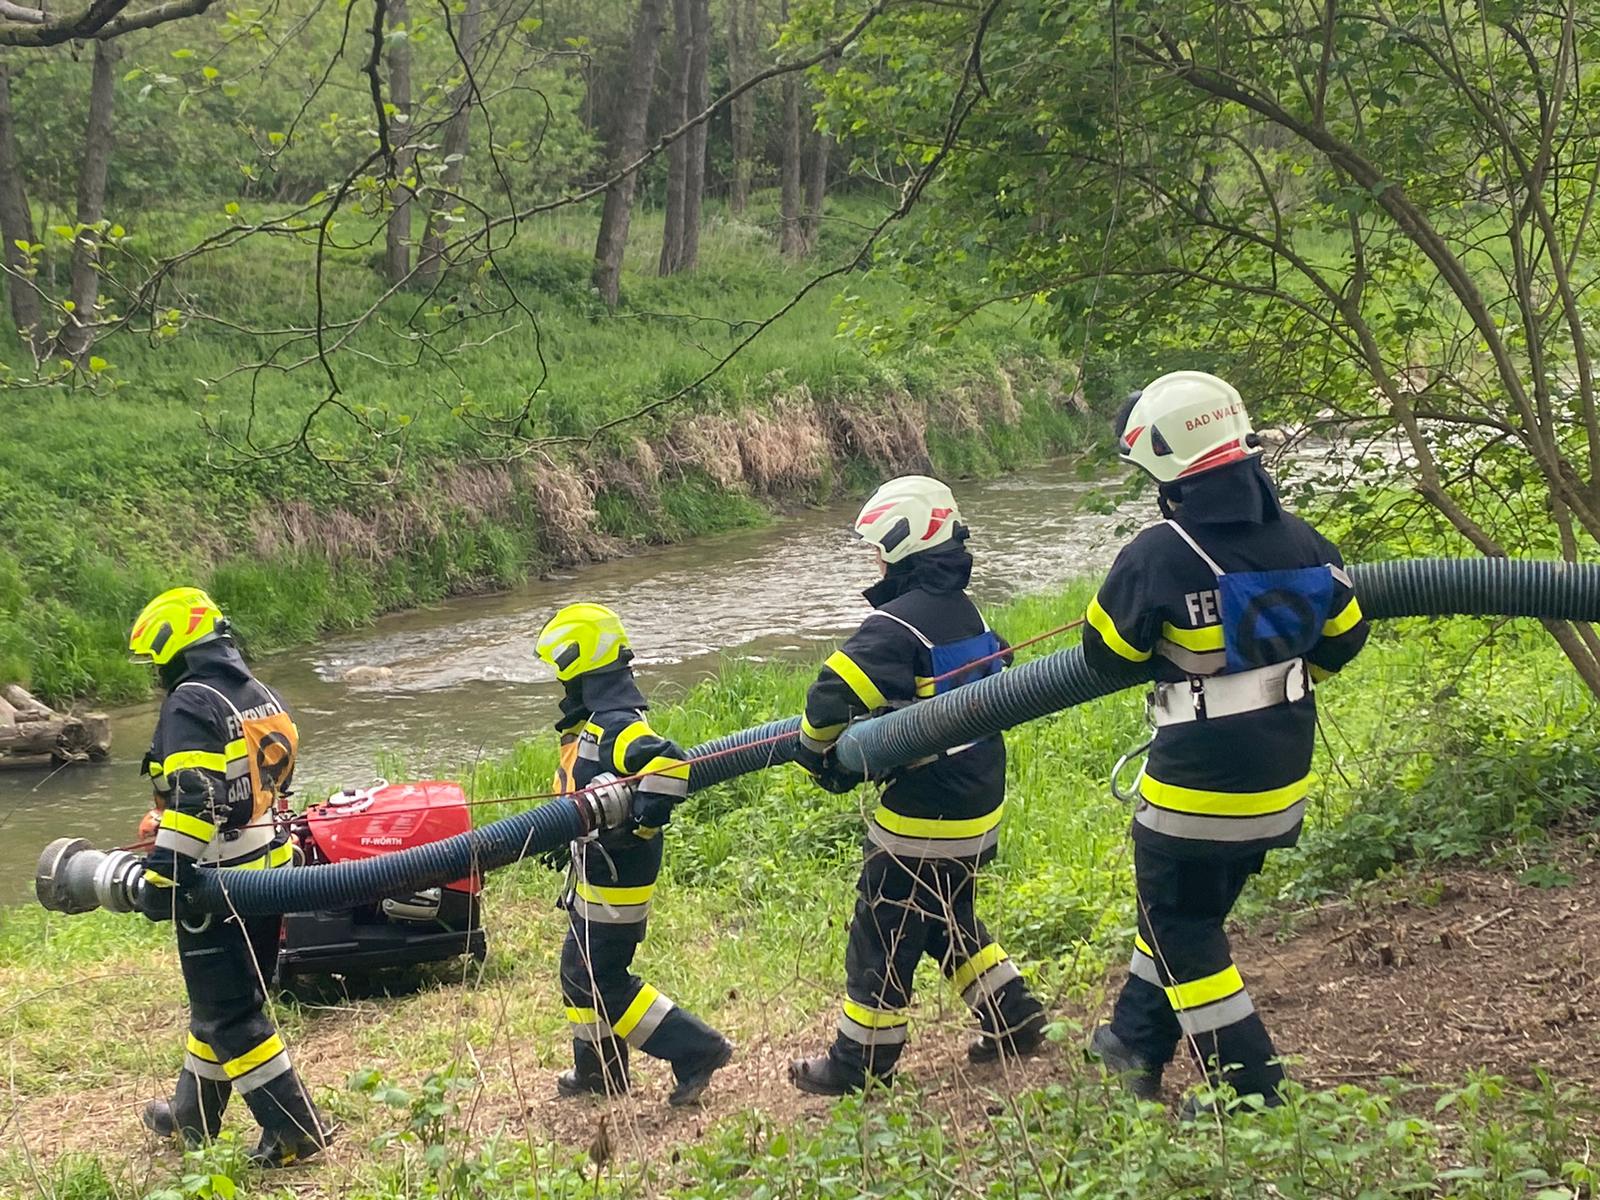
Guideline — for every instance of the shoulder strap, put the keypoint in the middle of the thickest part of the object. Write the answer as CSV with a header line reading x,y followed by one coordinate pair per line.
x,y
917,633
194,683
1195,546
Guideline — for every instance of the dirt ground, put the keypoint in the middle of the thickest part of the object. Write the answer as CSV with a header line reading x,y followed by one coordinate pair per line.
x,y
1461,969
1423,980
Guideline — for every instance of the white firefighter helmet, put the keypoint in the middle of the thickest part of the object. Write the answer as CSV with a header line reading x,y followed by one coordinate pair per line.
x,y
907,516
1185,423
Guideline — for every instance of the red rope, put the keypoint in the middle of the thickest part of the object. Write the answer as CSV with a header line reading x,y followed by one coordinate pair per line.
x,y
766,741
1033,641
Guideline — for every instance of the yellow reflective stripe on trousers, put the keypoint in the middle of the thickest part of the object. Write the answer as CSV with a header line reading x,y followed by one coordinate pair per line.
x,y
200,1060
933,827
874,1018
205,760
614,895
1223,804
157,879
582,1016
644,1017
195,827
1198,640
1101,620
1347,620
1209,990
967,973
927,685
619,748
842,665
248,1062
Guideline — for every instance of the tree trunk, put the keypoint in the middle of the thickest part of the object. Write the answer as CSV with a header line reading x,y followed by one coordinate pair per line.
x,y
397,258
678,152
816,187
694,184
627,145
16,225
457,140
743,34
29,728
78,335
791,239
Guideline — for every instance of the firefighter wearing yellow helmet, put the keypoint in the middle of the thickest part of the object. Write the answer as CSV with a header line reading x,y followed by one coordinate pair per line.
x,y
220,760
605,741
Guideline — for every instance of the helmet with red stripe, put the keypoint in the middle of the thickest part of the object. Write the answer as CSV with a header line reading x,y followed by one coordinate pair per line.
x,y
907,516
1186,423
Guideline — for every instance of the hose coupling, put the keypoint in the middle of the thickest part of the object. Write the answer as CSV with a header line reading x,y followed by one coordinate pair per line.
x,y
74,877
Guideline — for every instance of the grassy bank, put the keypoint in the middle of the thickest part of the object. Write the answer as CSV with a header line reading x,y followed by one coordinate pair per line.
x,y
1441,746
116,489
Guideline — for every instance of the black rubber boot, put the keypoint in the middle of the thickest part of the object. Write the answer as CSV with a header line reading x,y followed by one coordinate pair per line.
x,y
292,1129
599,1069
280,1149
1143,1080
195,1111
694,1074
823,1076
158,1119
1023,1042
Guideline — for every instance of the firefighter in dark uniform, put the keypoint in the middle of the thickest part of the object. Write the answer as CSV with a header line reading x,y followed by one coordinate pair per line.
x,y
1233,607
221,759
938,821
604,739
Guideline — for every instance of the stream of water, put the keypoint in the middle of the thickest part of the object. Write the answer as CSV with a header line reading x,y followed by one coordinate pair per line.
x,y
460,680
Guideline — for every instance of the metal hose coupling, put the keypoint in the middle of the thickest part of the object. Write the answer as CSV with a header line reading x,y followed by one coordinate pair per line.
x,y
74,877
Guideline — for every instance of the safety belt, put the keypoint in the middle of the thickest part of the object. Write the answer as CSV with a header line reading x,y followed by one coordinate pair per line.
x,y
1210,697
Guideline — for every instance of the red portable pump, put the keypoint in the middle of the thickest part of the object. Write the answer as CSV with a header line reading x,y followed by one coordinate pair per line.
x,y
430,925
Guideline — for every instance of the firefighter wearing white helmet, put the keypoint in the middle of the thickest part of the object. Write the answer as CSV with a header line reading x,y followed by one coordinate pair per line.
x,y
1232,607
605,740
937,821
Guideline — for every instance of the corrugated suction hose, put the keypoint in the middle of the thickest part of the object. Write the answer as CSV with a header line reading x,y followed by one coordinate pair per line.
x,y
1410,588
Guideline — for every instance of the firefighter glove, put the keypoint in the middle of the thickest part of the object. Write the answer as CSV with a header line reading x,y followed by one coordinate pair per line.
x,y
830,775
163,903
651,810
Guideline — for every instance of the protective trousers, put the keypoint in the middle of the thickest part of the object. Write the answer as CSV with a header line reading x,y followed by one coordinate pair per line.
x,y
905,908
233,1045
1182,982
608,1007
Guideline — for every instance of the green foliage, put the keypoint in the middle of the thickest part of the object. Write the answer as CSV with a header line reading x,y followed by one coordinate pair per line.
x,y
1348,219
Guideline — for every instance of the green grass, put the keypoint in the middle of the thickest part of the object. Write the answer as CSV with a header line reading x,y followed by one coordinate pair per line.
x,y
749,930
115,489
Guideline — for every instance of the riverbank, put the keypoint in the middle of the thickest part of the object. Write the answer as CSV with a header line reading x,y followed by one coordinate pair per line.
x,y
117,490
1446,745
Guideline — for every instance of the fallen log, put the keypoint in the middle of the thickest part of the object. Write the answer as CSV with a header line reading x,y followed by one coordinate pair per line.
x,y
31,730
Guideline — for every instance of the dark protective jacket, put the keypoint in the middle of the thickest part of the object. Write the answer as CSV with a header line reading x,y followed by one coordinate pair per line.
x,y
923,626
1229,785
210,779
602,718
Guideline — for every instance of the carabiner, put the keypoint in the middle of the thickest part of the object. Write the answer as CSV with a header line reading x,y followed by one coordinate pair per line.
x,y
1139,752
